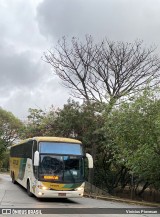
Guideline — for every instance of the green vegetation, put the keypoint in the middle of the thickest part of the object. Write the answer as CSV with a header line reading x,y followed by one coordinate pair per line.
x,y
134,131
10,130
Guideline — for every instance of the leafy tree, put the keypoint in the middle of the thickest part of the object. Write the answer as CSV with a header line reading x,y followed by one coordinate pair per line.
x,y
4,162
75,120
34,125
135,131
67,121
10,128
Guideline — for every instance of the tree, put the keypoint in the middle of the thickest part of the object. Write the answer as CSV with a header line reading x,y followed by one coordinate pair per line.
x,y
4,162
34,125
104,71
134,128
10,128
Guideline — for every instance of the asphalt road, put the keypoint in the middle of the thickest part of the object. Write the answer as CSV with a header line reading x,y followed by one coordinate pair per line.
x,y
14,196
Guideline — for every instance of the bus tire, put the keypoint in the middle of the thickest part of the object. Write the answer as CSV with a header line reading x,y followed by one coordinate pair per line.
x,y
28,189
13,178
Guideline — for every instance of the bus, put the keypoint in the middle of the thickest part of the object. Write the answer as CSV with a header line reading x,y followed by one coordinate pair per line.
x,y
50,166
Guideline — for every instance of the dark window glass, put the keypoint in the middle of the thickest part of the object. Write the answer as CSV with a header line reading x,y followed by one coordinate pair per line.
x,y
22,151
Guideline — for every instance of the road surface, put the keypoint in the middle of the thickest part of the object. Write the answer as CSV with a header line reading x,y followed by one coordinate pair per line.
x,y
14,196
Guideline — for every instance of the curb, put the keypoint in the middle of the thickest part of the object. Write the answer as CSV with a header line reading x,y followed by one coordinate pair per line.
x,y
117,199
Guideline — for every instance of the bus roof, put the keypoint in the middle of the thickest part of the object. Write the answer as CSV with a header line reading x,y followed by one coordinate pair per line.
x,y
49,139
56,139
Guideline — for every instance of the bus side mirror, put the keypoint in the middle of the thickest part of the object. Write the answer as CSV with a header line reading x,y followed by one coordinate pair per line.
x,y
90,160
36,158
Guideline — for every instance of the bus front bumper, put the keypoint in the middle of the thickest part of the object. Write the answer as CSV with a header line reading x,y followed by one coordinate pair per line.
x,y
40,193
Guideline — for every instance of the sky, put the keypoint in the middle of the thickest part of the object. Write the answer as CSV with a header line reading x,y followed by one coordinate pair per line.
x,y
30,28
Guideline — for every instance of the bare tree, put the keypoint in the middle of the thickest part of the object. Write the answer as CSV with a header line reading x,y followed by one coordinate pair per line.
x,y
104,71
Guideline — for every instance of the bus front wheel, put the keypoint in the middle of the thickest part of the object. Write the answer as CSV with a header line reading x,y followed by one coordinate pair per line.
x,y
28,189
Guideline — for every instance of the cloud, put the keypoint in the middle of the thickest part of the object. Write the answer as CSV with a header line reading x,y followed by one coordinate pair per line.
x,y
25,80
43,96
116,19
18,25
18,70
29,28
20,66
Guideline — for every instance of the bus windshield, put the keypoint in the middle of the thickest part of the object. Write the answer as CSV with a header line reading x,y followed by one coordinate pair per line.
x,y
60,148
60,168
61,162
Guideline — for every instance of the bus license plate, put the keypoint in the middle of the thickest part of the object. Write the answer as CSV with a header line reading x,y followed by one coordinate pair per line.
x,y
62,194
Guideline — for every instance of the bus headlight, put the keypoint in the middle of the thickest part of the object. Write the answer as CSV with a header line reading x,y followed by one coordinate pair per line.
x,y
79,188
43,187
40,193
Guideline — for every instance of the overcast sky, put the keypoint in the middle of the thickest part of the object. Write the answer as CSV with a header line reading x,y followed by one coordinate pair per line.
x,y
30,27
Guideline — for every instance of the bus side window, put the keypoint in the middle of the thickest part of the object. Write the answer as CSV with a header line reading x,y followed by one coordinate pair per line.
x,y
35,169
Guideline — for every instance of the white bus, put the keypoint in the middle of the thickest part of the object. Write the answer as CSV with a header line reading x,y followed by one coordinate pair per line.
x,y
50,166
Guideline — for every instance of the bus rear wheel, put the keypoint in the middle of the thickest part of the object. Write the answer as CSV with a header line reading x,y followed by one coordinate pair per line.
x,y
28,189
13,178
